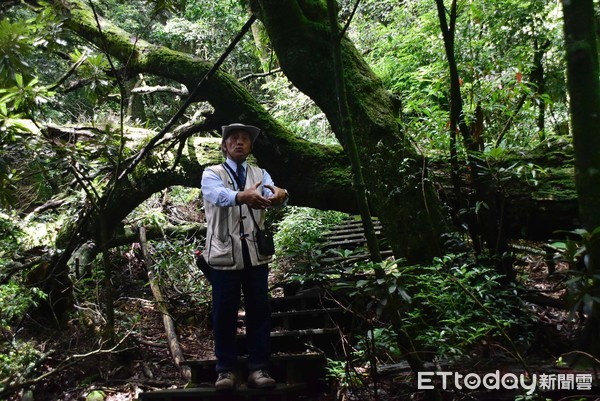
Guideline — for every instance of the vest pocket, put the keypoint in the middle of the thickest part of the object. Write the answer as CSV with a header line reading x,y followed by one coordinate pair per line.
x,y
220,252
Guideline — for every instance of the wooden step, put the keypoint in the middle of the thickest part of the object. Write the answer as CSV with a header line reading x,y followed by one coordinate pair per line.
x,y
349,235
337,236
355,221
308,299
294,341
344,244
284,368
349,231
281,392
354,258
306,319
348,238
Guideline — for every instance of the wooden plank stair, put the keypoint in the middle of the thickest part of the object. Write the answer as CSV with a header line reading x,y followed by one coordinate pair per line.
x,y
304,334
282,392
350,235
306,331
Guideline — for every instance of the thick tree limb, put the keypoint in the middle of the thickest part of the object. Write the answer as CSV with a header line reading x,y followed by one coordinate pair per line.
x,y
312,173
210,73
348,133
398,189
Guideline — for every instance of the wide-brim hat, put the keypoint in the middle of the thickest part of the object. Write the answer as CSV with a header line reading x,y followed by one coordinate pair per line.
x,y
250,129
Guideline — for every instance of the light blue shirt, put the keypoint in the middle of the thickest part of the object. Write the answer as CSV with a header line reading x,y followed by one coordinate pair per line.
x,y
215,191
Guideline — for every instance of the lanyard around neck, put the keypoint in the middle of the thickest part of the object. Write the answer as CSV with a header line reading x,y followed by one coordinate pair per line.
x,y
240,185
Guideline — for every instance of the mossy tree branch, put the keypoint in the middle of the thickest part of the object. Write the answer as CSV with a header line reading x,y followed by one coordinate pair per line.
x,y
312,173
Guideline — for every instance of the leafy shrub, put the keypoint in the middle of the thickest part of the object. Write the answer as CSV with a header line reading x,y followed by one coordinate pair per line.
x,y
460,306
15,300
296,238
448,308
10,238
381,342
301,228
175,266
583,293
15,356
16,361
340,373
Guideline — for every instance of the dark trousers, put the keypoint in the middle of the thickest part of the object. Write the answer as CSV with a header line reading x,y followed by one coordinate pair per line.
x,y
226,288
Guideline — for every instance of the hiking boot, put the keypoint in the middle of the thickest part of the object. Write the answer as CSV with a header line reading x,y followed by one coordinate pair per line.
x,y
225,381
260,379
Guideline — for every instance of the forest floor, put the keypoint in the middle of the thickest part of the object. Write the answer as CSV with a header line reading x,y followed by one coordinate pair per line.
x,y
144,363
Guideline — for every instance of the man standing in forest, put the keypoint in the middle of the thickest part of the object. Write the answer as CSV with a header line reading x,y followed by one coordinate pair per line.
x,y
236,195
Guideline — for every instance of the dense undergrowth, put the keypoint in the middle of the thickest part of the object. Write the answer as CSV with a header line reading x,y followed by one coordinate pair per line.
x,y
453,309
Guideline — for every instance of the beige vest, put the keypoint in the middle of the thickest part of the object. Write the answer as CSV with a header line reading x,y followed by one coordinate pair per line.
x,y
224,224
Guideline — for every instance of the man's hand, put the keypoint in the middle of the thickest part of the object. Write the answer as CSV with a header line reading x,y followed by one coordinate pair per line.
x,y
253,198
279,195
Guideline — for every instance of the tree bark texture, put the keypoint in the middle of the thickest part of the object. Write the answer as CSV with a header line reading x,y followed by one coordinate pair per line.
x,y
584,91
398,188
347,131
583,85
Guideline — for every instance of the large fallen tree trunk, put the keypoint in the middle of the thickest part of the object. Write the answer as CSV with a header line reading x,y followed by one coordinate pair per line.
x,y
532,210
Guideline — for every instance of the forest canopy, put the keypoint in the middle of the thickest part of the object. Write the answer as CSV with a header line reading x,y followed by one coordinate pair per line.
x,y
466,128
